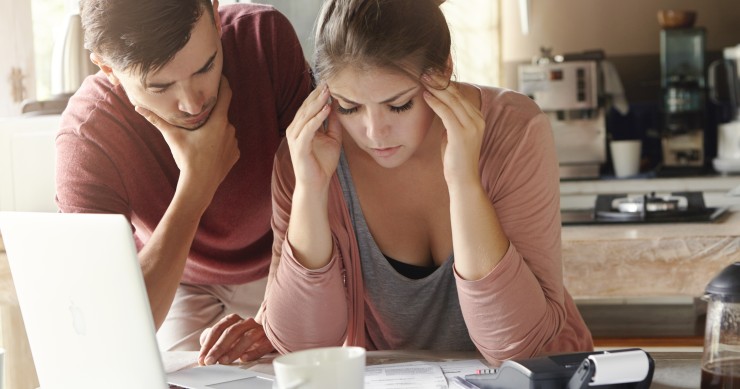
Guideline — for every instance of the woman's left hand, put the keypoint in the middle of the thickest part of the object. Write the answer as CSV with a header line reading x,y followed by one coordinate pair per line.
x,y
464,126
233,338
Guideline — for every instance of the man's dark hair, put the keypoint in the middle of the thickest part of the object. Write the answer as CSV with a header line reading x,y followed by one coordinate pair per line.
x,y
140,36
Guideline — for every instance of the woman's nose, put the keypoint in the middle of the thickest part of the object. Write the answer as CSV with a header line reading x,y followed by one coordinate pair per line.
x,y
376,126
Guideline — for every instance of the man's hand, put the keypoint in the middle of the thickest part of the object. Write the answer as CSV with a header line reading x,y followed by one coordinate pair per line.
x,y
205,155
233,338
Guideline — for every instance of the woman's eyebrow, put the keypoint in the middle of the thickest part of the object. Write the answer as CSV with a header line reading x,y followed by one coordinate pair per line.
x,y
388,100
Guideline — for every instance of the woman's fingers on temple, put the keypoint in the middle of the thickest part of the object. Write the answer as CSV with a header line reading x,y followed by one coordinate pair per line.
x,y
449,119
312,106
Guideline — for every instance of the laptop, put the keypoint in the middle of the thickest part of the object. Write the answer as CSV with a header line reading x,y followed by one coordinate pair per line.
x,y
85,307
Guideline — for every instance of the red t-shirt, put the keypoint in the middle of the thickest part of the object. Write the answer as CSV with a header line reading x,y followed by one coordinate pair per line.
x,y
111,160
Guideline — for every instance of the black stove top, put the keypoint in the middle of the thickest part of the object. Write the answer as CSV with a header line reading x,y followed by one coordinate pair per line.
x,y
678,207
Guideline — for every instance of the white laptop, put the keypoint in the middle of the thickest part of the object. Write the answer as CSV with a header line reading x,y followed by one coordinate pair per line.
x,y
85,307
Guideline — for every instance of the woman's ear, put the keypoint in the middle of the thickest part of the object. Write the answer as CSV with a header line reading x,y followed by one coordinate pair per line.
x,y
107,69
449,67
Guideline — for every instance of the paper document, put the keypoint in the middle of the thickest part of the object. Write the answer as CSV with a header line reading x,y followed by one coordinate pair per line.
x,y
421,375
411,375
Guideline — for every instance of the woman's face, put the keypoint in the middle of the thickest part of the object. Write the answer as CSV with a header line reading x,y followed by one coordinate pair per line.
x,y
383,111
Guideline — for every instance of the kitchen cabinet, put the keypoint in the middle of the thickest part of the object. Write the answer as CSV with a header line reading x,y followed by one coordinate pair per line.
x,y
17,59
27,167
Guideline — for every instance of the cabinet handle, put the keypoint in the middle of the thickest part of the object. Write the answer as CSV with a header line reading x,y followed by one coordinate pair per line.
x,y
17,89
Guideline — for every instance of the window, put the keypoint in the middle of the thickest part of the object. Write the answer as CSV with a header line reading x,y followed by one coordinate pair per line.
x,y
475,29
474,25
49,18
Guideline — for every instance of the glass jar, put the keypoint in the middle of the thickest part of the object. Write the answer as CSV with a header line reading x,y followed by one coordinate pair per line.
x,y
720,366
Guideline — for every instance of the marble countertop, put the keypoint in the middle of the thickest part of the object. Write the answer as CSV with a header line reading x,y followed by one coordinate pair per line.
x,y
676,259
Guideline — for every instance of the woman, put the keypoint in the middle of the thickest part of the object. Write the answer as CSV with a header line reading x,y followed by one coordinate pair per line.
x,y
412,211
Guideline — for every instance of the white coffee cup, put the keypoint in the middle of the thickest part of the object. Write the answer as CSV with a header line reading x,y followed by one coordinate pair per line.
x,y
728,143
321,368
626,157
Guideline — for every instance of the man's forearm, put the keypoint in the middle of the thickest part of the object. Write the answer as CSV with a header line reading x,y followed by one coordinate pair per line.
x,y
163,257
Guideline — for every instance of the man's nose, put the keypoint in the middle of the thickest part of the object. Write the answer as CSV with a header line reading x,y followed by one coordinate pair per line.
x,y
191,101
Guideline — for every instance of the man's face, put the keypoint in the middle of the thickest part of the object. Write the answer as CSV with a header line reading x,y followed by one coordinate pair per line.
x,y
184,91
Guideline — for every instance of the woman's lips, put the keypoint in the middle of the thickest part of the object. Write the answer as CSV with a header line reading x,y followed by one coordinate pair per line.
x,y
385,152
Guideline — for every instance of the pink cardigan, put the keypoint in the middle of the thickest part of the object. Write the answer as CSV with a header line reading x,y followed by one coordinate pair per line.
x,y
519,310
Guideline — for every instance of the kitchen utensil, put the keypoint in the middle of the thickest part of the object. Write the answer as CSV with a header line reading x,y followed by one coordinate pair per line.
x,y
671,18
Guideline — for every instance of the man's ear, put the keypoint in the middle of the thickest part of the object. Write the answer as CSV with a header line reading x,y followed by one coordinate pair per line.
x,y
216,17
107,69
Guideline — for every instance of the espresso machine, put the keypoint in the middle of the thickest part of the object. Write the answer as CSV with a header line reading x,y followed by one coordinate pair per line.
x,y
683,97
569,92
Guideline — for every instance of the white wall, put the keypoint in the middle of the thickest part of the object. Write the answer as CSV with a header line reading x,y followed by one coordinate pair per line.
x,y
621,27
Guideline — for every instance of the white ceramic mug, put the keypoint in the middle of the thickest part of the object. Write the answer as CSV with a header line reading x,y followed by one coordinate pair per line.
x,y
626,157
321,368
729,141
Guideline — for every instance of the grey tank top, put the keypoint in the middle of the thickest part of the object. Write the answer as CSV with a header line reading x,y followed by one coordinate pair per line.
x,y
403,313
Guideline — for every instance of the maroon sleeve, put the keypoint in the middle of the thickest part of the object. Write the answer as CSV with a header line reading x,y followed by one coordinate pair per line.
x,y
293,74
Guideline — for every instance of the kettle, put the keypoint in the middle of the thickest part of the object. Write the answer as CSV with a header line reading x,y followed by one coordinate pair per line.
x,y
70,64
731,64
720,365
727,70
70,60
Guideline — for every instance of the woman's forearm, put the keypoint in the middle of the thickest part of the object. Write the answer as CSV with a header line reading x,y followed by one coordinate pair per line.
x,y
478,240
308,230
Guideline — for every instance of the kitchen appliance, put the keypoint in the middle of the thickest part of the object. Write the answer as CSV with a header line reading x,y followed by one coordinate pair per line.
x,y
622,368
720,365
570,93
683,102
677,207
727,83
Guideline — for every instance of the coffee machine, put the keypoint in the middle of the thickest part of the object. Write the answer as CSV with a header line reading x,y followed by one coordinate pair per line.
x,y
569,92
683,102
727,83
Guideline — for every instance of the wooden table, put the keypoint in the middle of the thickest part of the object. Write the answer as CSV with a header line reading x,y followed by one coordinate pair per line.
x,y
20,372
673,369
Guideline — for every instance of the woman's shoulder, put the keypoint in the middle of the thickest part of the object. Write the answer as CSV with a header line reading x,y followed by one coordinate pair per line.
x,y
501,101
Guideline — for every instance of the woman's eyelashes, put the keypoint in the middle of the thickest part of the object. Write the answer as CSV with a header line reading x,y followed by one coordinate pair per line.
x,y
393,108
346,111
402,108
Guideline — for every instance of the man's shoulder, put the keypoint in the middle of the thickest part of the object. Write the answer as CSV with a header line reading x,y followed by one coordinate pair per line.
x,y
250,13
97,103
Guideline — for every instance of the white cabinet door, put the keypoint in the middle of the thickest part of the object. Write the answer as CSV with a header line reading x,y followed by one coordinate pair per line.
x,y
27,166
16,56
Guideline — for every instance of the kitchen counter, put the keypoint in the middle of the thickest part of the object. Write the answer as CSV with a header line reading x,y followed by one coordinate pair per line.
x,y
582,194
648,260
632,260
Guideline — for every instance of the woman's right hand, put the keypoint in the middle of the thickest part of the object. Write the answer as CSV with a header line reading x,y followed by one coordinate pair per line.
x,y
314,139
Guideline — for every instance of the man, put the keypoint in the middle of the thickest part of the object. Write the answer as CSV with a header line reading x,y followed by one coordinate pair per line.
x,y
178,132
